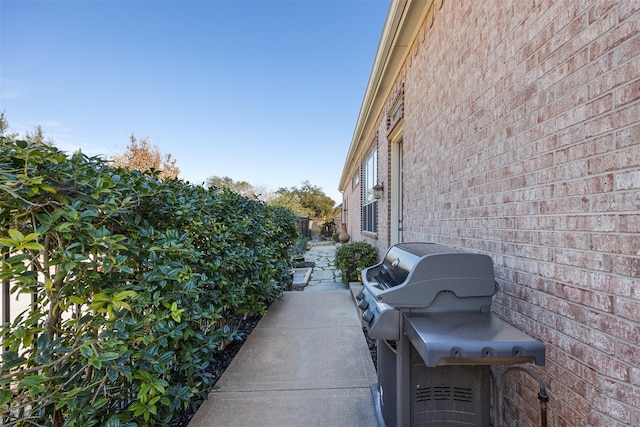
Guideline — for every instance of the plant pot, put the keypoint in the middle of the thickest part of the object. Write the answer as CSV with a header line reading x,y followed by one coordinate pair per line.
x,y
343,237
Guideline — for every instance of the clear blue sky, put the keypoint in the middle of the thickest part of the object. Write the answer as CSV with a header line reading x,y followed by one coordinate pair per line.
x,y
261,91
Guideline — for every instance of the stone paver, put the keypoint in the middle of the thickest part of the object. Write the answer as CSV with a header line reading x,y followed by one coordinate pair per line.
x,y
324,275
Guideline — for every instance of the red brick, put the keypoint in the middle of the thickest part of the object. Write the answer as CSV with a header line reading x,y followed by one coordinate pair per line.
x,y
627,9
589,223
598,419
612,408
621,391
607,365
587,260
629,309
627,266
591,337
628,354
629,223
611,39
620,159
567,240
628,180
616,243
593,185
629,55
599,106
602,302
620,202
628,93
600,9
612,121
614,326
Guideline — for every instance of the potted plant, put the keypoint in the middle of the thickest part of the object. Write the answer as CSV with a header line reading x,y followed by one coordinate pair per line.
x,y
298,250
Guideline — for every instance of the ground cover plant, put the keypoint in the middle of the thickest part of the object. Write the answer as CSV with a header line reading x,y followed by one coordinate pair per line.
x,y
137,282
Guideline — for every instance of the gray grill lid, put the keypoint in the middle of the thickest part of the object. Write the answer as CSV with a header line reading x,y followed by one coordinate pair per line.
x,y
413,274
403,257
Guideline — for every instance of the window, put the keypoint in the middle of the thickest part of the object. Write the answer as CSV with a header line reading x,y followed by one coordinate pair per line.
x,y
369,203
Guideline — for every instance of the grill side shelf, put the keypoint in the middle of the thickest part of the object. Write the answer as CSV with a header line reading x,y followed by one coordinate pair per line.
x,y
470,339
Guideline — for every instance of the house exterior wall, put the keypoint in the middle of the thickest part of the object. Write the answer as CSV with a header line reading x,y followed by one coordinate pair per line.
x,y
521,140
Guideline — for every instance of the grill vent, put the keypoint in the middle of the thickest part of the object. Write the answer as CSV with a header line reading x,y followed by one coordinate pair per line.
x,y
459,394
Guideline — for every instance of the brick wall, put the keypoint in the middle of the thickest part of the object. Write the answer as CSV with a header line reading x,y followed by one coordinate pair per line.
x,y
522,140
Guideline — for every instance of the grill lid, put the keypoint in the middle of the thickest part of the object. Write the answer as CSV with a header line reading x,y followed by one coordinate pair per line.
x,y
413,274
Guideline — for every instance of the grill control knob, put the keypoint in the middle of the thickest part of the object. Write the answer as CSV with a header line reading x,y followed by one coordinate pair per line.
x,y
367,316
360,296
362,305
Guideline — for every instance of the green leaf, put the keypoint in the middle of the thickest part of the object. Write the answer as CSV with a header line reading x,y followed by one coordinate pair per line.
x,y
16,235
86,351
113,421
8,242
5,396
10,360
113,374
119,296
125,269
75,299
32,381
108,356
48,189
33,246
73,392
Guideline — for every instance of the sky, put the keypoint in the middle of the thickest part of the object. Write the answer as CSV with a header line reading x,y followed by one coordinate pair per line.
x,y
263,91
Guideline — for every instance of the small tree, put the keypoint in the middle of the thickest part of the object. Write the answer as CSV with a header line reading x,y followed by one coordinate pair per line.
x,y
4,127
142,156
240,187
35,137
309,200
287,200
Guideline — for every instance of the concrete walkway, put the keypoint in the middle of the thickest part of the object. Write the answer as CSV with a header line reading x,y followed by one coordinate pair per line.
x,y
306,363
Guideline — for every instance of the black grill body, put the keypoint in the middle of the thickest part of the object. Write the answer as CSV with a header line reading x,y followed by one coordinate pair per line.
x,y
428,307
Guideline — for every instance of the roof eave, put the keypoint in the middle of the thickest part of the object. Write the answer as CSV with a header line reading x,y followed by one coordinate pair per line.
x,y
400,30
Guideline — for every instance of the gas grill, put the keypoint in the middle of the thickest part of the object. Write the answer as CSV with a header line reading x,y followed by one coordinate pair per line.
x,y
428,308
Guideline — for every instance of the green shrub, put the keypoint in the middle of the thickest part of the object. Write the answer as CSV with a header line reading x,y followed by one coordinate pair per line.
x,y
136,284
352,257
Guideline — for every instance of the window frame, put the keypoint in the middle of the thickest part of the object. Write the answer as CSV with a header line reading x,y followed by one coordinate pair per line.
x,y
369,205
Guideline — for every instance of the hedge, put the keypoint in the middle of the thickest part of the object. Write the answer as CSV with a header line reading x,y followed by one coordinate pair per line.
x,y
138,284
